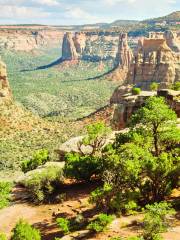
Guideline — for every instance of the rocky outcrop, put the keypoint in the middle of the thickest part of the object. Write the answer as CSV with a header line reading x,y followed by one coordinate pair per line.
x,y
127,104
124,55
172,40
123,59
80,42
153,61
69,51
5,92
73,46
93,46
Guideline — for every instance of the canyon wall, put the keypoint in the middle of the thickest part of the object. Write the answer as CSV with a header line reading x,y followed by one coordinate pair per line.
x,y
28,40
93,46
5,92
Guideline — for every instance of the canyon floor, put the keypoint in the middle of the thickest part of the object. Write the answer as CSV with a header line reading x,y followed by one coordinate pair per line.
x,y
43,217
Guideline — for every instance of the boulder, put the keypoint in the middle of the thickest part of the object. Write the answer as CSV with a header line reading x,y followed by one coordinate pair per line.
x,y
71,146
40,169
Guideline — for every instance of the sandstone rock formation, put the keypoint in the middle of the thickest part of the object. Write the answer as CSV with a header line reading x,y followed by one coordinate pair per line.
x,y
80,42
172,40
124,54
123,59
94,46
153,61
69,51
128,104
5,92
27,40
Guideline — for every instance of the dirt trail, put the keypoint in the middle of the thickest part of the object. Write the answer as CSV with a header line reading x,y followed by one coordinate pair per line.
x,y
43,216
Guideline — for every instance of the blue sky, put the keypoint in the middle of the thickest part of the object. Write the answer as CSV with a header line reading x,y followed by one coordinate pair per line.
x,y
82,11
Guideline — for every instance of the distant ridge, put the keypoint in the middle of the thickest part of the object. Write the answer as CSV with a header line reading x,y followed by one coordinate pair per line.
x,y
174,16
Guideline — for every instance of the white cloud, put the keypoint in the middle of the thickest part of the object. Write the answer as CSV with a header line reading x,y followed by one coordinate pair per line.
x,y
172,1
114,2
79,13
20,12
50,3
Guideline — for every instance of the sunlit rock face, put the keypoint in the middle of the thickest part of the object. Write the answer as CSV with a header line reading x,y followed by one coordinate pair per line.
x,y
123,61
124,54
69,51
153,61
93,46
156,59
172,40
29,40
5,92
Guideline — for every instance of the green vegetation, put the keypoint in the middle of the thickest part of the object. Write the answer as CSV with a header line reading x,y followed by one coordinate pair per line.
x,y
42,184
68,91
101,223
154,86
82,166
64,225
76,165
39,158
136,91
5,191
60,93
24,231
142,165
176,86
23,134
97,134
156,220
3,236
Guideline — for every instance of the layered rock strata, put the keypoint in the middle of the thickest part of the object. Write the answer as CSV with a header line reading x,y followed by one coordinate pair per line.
x,y
29,40
153,61
91,46
156,59
124,58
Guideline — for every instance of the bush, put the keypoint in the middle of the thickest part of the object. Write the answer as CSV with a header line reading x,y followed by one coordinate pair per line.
x,y
176,86
100,196
41,185
24,231
81,167
136,91
101,223
39,158
155,220
131,207
154,86
63,224
97,134
3,236
5,190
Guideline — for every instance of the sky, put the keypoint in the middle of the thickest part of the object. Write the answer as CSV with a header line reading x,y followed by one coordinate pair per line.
x,y
74,12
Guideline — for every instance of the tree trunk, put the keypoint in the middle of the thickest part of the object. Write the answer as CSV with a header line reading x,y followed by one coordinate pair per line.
x,y
155,136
